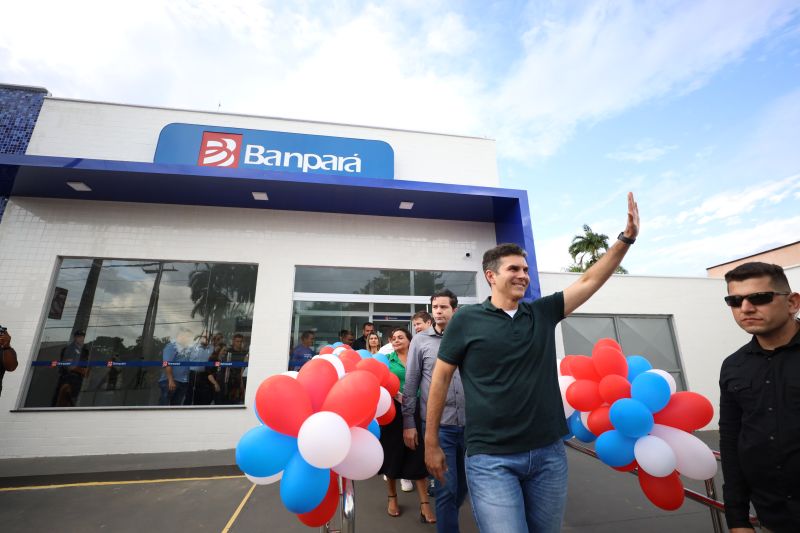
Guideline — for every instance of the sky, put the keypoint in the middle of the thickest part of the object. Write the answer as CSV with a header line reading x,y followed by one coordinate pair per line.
x,y
693,105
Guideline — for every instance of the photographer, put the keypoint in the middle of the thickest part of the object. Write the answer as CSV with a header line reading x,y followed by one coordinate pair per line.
x,y
9,356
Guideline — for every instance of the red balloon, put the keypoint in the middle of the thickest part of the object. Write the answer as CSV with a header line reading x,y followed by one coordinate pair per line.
x,y
583,395
345,346
663,492
582,367
323,513
283,404
598,421
607,342
609,361
614,387
350,360
627,468
376,367
326,349
563,367
388,416
317,376
354,397
391,384
686,410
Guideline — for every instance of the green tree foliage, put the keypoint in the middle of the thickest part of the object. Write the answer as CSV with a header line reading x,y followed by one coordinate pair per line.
x,y
587,249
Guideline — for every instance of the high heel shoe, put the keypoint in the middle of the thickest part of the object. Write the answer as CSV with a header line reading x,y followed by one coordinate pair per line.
x,y
395,515
422,517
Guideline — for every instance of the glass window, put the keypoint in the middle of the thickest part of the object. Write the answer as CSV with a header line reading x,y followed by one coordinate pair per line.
x,y
334,280
145,332
649,336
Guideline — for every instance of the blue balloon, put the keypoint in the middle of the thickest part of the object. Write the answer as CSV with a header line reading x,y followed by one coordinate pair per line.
x,y
303,487
614,448
375,429
336,344
578,429
636,365
382,358
262,452
652,390
631,417
363,353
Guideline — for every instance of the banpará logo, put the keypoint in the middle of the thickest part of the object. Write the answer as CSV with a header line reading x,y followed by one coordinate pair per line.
x,y
219,149
259,155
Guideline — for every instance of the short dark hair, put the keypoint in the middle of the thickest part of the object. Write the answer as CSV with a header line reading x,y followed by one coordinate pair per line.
x,y
757,269
344,332
237,336
423,315
492,257
306,334
365,324
404,330
446,293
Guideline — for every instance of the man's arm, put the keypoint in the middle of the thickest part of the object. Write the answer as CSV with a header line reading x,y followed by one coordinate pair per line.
x,y
735,490
413,378
437,395
594,278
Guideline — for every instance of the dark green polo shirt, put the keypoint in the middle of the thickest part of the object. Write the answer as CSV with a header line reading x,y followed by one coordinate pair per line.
x,y
508,368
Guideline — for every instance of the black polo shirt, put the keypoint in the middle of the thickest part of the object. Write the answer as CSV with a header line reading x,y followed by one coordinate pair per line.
x,y
508,368
759,435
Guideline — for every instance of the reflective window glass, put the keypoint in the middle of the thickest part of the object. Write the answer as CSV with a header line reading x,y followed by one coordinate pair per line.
x,y
145,332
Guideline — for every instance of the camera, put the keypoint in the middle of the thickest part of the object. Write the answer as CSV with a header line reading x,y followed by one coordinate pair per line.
x,y
3,329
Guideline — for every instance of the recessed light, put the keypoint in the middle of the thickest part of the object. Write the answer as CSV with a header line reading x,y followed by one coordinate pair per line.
x,y
260,196
79,186
406,205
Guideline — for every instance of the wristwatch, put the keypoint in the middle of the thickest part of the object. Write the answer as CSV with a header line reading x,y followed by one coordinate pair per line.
x,y
623,238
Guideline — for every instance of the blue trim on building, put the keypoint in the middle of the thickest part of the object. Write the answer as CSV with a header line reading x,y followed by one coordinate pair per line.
x,y
121,181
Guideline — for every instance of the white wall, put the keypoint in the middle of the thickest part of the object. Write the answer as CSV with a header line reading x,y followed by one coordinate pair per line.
x,y
73,128
34,232
705,330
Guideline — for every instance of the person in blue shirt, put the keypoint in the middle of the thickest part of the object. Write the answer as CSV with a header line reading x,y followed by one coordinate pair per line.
x,y
175,379
303,352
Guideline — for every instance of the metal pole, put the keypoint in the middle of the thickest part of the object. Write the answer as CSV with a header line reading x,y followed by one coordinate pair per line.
x,y
716,515
347,505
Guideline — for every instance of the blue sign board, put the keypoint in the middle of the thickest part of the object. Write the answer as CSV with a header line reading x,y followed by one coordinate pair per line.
x,y
214,146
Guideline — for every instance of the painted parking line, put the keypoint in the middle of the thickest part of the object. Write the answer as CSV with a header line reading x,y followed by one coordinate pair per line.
x,y
110,483
238,510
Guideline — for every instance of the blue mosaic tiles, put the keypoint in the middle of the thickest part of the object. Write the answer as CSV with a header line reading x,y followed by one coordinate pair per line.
x,y
19,109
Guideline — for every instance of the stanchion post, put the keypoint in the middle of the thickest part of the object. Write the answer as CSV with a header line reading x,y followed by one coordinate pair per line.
x,y
716,515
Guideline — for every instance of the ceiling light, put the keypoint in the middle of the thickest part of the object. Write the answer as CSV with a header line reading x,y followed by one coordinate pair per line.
x,y
406,205
260,196
79,186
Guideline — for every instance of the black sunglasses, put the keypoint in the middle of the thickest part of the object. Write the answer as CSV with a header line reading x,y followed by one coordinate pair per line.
x,y
756,298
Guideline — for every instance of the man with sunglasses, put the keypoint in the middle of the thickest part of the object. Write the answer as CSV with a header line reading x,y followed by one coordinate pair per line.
x,y
759,417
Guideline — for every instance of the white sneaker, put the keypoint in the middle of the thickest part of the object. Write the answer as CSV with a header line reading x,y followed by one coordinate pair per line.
x,y
406,485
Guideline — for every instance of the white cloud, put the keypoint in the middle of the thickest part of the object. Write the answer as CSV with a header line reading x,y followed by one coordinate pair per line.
x,y
645,150
450,36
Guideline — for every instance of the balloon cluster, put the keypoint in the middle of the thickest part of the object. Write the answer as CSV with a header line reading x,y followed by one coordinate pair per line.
x,y
318,424
638,419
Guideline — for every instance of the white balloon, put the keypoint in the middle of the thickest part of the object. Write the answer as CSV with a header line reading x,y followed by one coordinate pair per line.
x,y
654,456
384,403
585,419
339,350
694,459
324,439
335,361
264,480
291,373
563,383
364,458
667,376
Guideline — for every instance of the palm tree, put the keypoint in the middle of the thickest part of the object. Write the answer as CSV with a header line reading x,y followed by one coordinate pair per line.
x,y
587,249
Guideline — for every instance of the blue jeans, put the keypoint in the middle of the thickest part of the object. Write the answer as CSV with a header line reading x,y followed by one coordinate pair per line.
x,y
519,492
175,397
451,495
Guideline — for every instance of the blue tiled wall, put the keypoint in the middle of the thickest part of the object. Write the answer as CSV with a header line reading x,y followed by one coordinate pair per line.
x,y
19,109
